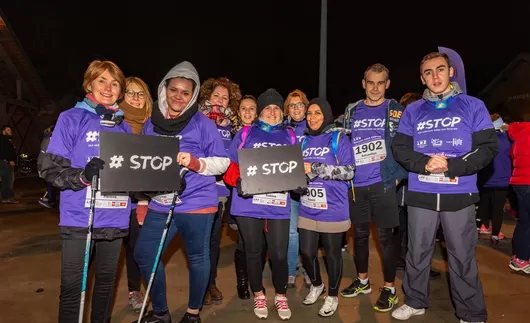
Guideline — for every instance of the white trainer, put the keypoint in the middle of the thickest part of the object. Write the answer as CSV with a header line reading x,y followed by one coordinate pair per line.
x,y
405,312
314,294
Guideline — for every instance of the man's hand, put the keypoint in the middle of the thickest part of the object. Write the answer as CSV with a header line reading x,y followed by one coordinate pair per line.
x,y
12,163
437,164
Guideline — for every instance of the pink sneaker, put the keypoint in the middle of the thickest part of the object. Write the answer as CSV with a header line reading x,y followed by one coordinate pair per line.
x,y
501,236
484,230
517,265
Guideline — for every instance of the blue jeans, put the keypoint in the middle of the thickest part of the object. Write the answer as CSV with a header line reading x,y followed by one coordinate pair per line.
x,y
294,244
195,230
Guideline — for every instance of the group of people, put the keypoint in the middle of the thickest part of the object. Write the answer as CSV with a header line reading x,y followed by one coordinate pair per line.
x,y
382,158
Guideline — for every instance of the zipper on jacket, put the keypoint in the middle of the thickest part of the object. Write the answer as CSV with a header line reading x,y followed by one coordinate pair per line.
x,y
438,202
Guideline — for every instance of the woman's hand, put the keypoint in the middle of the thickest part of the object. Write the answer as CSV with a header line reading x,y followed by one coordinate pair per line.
x,y
307,168
184,159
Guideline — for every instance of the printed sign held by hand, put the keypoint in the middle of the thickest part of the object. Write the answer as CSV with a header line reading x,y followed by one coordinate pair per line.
x,y
136,163
271,169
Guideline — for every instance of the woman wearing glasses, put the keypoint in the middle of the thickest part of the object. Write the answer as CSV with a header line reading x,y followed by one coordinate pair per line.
x,y
294,108
136,106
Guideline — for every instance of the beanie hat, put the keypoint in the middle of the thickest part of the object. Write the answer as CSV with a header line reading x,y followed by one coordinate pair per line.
x,y
271,96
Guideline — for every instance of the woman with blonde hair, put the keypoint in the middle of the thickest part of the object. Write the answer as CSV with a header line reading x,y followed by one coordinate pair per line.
x,y
136,105
75,141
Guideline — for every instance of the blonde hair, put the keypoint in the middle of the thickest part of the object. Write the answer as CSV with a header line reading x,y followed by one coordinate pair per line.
x,y
148,99
97,67
295,94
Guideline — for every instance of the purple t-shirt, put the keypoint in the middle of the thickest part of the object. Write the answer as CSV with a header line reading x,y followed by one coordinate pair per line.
x,y
201,139
445,132
254,207
76,138
226,134
327,199
368,141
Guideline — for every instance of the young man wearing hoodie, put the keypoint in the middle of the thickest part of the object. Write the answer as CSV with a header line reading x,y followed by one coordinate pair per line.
x,y
443,140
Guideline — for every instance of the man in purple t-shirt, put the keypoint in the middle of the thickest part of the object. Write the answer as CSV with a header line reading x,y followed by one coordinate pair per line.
x,y
373,123
443,140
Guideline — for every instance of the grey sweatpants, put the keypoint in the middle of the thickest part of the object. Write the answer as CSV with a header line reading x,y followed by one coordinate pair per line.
x,y
460,232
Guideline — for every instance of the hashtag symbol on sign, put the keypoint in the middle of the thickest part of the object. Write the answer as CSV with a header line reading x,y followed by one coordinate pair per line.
x,y
257,145
251,170
420,126
115,161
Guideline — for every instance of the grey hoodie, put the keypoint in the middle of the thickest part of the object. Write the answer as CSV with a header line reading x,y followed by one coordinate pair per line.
x,y
185,70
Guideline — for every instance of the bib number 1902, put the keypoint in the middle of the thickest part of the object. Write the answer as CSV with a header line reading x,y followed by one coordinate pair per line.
x,y
371,146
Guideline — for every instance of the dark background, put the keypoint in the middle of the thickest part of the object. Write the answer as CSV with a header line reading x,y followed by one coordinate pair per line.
x,y
262,44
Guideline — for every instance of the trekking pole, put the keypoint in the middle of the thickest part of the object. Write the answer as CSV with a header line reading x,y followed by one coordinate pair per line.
x,y
94,188
183,172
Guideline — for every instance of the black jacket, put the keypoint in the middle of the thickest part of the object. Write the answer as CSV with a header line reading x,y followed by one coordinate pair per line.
x,y
7,149
483,150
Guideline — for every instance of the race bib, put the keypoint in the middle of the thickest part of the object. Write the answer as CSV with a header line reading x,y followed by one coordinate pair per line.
x,y
272,199
107,201
437,179
370,152
315,198
166,199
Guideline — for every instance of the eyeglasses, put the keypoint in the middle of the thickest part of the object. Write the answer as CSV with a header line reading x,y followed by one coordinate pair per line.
x,y
132,94
299,105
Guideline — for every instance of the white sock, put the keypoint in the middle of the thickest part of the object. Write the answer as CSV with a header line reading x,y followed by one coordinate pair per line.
x,y
393,289
364,281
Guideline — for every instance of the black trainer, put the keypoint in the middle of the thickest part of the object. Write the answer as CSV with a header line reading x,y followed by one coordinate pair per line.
x,y
190,318
356,288
386,300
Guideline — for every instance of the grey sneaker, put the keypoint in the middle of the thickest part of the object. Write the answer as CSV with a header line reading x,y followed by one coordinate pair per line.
x,y
291,282
136,300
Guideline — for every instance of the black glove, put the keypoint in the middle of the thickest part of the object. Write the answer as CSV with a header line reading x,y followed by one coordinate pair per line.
x,y
92,168
182,186
240,191
301,190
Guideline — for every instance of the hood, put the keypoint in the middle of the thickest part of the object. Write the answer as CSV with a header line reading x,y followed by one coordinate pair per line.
x,y
185,70
518,129
455,90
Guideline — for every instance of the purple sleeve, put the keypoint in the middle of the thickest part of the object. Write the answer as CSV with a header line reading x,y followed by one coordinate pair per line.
x,y
345,151
481,117
234,146
62,141
406,125
212,141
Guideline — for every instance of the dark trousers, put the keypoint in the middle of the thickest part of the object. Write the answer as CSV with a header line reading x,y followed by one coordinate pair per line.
x,y
388,241
277,237
521,235
195,230
402,233
8,178
460,233
332,243
491,207
51,195
106,255
215,243
134,276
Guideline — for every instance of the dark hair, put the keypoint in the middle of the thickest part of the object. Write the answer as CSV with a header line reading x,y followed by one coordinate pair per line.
x,y
408,98
434,55
193,84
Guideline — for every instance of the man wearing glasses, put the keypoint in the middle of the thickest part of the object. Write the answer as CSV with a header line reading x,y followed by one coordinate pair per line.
x,y
373,123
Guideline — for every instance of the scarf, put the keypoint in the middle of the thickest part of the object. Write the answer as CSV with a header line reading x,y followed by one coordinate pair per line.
x,y
219,114
171,127
135,117
442,99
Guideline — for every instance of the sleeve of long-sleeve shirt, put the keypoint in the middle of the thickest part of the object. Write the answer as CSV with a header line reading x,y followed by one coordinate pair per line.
x,y
216,159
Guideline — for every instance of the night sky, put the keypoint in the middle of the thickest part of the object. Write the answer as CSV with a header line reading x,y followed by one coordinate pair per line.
x,y
266,44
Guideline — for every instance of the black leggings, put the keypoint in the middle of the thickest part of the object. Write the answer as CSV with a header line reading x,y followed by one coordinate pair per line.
x,y
277,237
388,239
134,276
332,243
491,207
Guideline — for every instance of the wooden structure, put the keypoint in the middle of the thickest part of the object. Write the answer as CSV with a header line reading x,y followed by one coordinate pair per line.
x,y
25,105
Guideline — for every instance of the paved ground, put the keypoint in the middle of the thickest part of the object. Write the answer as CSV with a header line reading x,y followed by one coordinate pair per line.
x,y
30,264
